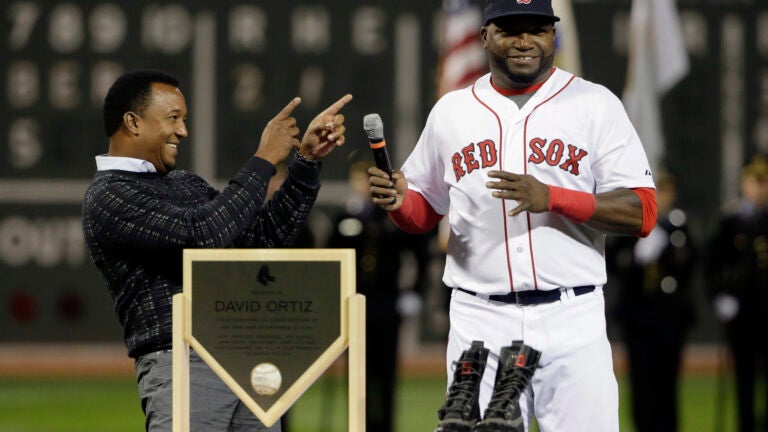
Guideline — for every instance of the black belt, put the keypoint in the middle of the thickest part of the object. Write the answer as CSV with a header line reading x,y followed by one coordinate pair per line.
x,y
531,297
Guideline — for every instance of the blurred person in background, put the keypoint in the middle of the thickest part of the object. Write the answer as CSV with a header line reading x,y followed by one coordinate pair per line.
x,y
140,213
381,251
655,308
738,266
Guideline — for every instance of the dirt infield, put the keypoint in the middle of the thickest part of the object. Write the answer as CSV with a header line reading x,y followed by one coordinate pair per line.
x,y
111,360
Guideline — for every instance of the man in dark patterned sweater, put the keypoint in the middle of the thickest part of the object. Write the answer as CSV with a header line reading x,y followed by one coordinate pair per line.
x,y
139,214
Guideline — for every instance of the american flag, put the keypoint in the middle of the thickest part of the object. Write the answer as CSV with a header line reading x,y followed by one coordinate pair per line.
x,y
462,57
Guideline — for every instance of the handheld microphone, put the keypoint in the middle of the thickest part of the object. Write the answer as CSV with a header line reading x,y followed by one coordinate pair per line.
x,y
374,129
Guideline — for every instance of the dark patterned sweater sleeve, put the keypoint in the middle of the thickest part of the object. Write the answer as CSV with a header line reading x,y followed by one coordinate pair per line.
x,y
280,222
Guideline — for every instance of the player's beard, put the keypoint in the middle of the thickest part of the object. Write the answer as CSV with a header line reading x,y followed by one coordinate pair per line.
x,y
525,79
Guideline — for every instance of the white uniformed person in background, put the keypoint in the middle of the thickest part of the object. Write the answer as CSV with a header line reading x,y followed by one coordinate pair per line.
x,y
654,308
738,281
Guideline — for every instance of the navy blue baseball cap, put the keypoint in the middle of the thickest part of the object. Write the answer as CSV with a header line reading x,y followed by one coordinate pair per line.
x,y
501,8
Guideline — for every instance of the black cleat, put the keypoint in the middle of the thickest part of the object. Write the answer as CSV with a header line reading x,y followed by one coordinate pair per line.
x,y
461,410
517,364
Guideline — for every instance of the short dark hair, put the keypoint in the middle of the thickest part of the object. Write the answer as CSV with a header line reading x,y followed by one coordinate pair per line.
x,y
130,92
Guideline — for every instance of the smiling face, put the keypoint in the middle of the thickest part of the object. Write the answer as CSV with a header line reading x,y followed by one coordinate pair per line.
x,y
160,127
521,49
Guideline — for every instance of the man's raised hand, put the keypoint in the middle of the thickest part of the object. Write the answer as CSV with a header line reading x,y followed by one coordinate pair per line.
x,y
325,132
280,135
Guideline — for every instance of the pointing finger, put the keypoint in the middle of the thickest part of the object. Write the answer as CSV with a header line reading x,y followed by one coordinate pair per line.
x,y
338,105
286,112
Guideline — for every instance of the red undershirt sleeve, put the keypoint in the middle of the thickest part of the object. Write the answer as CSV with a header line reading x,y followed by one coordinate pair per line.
x,y
648,200
415,216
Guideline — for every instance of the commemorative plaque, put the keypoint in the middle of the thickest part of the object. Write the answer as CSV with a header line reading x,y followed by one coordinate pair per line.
x,y
269,322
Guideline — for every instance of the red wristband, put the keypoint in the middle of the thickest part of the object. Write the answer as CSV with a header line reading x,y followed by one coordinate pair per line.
x,y
415,215
575,205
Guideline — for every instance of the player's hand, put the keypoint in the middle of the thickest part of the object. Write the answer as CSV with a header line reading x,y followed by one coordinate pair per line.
x,y
531,195
280,135
387,193
325,132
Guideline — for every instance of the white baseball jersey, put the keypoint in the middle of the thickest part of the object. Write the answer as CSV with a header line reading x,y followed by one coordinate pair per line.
x,y
572,133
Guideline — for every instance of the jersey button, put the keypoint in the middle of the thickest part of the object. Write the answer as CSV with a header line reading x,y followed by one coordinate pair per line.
x,y
519,249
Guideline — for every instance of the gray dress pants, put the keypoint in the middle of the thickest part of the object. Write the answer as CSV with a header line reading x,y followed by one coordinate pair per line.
x,y
213,406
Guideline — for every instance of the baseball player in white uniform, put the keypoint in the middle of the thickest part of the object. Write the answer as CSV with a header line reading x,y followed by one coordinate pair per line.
x,y
532,166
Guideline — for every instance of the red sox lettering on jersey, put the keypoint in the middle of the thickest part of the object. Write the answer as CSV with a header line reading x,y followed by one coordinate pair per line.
x,y
484,155
554,154
465,162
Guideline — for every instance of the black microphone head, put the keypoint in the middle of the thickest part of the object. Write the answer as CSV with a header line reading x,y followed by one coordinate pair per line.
x,y
374,127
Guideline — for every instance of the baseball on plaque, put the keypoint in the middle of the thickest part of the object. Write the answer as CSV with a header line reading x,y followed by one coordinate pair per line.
x,y
266,379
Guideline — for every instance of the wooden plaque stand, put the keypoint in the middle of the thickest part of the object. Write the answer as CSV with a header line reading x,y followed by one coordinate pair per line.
x,y
351,333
